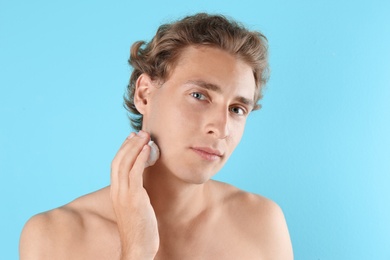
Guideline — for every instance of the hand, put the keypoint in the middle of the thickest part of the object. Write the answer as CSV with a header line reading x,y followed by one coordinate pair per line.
x,y
136,219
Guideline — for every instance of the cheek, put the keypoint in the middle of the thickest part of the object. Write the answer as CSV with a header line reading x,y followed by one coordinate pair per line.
x,y
236,132
183,116
173,120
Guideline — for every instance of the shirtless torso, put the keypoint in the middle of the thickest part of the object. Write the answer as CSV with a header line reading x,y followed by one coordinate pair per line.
x,y
234,225
172,210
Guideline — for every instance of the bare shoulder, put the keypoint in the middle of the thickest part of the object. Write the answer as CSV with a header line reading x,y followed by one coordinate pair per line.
x,y
45,231
56,233
248,203
259,219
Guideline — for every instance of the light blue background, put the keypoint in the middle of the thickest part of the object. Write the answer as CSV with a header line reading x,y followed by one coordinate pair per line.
x,y
320,147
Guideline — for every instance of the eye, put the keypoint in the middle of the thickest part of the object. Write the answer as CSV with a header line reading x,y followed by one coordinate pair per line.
x,y
198,95
238,110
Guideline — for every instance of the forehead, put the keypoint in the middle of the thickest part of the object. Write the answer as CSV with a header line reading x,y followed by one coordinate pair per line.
x,y
215,66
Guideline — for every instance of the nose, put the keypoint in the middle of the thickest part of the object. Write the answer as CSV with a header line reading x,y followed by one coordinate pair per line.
x,y
218,124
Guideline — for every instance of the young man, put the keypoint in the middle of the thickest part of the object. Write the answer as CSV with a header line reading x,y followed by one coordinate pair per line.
x,y
191,90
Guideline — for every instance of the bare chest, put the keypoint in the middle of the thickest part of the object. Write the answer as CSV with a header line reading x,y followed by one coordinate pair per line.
x,y
198,243
97,242
207,238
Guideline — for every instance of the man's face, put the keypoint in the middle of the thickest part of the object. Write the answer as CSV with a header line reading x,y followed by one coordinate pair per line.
x,y
197,117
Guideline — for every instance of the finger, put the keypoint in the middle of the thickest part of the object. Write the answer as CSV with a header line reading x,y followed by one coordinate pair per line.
x,y
136,173
126,157
131,135
135,141
129,152
119,179
114,167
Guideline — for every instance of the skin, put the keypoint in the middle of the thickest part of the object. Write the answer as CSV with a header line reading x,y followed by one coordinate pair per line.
x,y
172,210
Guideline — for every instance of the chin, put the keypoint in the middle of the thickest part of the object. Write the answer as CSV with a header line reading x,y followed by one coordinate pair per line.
x,y
190,171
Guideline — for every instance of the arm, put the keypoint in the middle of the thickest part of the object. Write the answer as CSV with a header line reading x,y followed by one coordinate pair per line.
x,y
51,235
277,241
136,220
33,239
263,224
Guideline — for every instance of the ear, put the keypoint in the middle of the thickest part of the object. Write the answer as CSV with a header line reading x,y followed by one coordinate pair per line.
x,y
143,88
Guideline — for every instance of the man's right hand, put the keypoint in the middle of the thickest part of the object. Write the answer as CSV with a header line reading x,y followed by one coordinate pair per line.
x,y
136,219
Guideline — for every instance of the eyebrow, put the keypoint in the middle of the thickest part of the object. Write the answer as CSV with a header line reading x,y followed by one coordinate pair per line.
x,y
218,89
206,85
247,102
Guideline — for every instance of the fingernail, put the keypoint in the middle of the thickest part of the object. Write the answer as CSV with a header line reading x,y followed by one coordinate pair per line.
x,y
142,134
130,136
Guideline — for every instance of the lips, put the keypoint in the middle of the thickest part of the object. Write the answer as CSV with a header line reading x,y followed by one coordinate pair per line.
x,y
208,153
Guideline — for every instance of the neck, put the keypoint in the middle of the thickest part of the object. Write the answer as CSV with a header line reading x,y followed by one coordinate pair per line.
x,y
174,200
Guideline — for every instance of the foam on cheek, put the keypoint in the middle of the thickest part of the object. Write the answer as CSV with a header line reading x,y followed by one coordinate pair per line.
x,y
154,154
